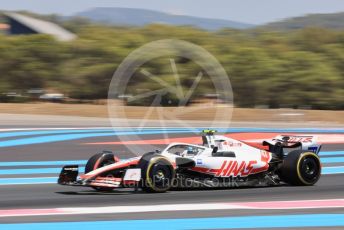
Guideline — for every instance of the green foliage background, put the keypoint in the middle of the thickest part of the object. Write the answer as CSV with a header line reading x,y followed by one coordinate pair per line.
x,y
301,68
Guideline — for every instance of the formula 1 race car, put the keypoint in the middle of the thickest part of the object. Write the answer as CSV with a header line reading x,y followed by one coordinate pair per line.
x,y
219,161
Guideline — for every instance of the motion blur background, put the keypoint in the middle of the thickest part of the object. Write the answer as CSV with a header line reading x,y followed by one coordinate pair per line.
x,y
277,54
284,59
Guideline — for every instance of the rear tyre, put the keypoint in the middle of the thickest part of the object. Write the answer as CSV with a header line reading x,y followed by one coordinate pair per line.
x,y
157,173
97,161
300,168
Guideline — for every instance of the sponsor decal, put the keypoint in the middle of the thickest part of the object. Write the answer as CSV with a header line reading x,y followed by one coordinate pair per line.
x,y
233,144
71,169
265,157
235,168
132,174
304,139
199,161
229,144
313,149
239,168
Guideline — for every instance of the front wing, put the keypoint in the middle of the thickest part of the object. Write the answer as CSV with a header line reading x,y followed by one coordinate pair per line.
x,y
69,177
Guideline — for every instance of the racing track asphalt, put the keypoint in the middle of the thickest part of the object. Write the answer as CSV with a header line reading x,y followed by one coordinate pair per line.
x,y
53,196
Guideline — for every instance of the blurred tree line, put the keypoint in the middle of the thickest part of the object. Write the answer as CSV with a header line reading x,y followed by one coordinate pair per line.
x,y
299,69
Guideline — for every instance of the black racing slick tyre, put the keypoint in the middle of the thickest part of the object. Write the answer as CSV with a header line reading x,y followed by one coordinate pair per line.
x,y
300,168
157,173
97,161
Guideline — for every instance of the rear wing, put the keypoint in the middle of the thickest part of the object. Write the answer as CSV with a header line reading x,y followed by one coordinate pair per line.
x,y
295,138
303,142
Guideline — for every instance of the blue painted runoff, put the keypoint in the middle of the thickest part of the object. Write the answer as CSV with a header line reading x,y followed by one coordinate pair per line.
x,y
331,153
68,131
333,170
33,171
276,221
332,160
41,163
32,180
67,137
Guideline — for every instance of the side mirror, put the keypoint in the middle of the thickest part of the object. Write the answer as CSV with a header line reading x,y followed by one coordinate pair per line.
x,y
215,149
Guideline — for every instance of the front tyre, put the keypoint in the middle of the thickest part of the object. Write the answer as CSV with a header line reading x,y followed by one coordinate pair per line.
x,y
301,168
97,161
157,173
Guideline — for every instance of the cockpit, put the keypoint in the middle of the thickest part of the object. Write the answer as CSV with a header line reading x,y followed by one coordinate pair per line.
x,y
185,150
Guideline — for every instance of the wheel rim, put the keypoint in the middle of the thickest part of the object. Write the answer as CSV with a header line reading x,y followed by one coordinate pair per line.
x,y
160,176
310,169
